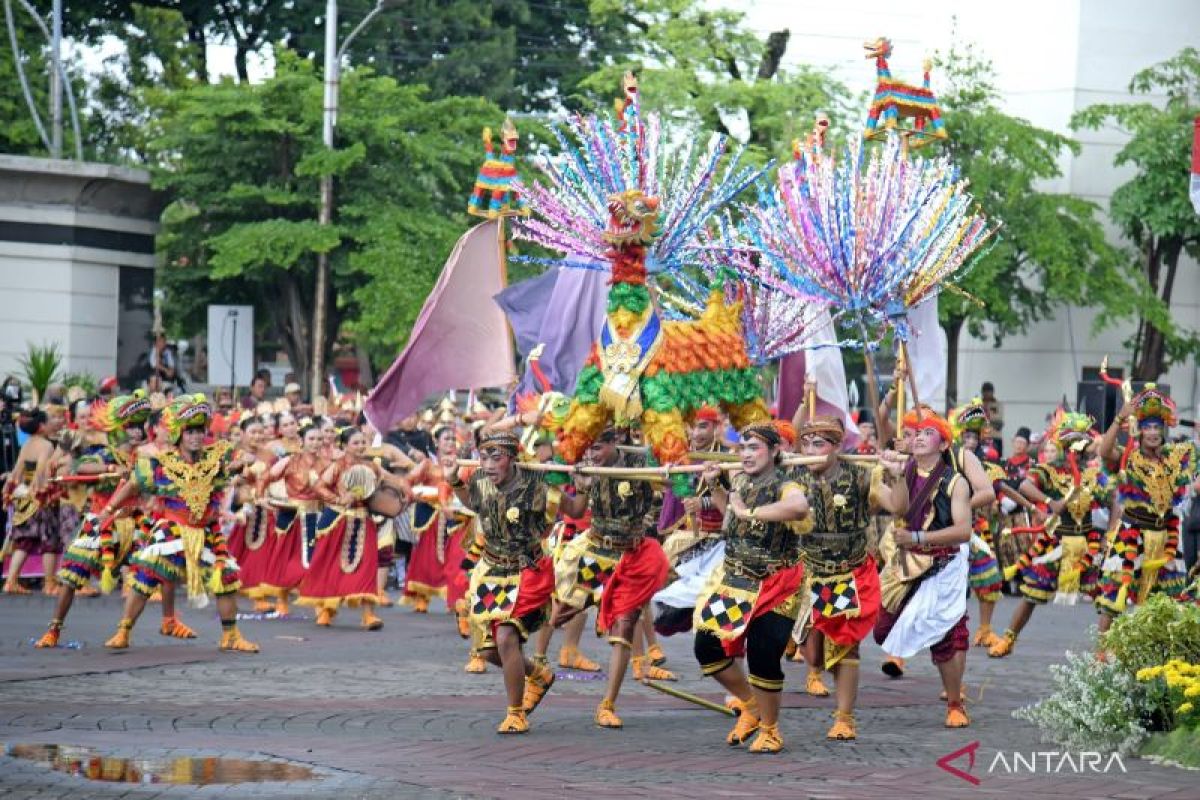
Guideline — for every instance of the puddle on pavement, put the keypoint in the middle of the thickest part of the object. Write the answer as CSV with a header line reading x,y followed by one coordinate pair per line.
x,y
85,762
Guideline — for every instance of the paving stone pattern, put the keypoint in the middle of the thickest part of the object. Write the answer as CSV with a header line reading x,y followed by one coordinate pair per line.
x,y
392,714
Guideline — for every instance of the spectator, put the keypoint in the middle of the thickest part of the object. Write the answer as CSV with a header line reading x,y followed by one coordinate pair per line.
x,y
293,394
410,438
995,413
108,387
1019,462
258,391
163,362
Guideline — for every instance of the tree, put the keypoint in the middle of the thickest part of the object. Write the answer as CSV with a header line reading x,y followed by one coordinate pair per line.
x,y
1051,249
703,68
242,165
19,134
1152,208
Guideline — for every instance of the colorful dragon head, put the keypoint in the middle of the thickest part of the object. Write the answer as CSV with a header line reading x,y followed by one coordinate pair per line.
x,y
970,416
1072,431
878,48
1151,404
633,219
189,411
113,416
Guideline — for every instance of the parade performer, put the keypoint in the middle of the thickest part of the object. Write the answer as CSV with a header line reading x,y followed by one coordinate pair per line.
x,y
750,603
33,517
249,532
614,563
512,583
691,531
841,574
924,583
969,423
185,544
99,552
433,522
296,517
1152,479
345,561
1064,558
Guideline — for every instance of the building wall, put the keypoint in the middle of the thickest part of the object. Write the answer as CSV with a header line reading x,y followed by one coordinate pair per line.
x,y
67,230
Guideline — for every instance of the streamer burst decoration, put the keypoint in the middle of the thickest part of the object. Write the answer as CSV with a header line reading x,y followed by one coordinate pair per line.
x,y
870,242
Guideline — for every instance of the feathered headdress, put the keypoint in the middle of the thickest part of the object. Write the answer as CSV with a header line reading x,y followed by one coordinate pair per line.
x,y
113,416
1071,429
1154,405
970,416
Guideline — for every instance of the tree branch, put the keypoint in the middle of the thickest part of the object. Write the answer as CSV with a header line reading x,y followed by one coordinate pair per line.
x,y
772,56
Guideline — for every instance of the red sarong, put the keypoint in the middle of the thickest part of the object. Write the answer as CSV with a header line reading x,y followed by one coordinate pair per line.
x,y
844,630
344,564
775,591
639,573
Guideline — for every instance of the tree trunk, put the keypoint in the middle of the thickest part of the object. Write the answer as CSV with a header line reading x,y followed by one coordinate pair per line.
x,y
199,43
239,60
1152,356
777,43
292,320
953,331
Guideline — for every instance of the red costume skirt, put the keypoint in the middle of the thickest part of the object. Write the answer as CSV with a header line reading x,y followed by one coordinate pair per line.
x,y
845,611
456,578
344,563
426,572
640,573
292,541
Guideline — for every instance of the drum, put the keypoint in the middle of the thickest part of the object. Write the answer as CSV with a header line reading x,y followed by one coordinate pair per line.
x,y
386,502
358,481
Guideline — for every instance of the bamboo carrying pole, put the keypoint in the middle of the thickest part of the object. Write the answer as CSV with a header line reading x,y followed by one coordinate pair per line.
x,y
691,698
657,473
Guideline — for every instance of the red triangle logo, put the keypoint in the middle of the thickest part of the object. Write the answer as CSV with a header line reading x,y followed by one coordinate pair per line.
x,y
945,763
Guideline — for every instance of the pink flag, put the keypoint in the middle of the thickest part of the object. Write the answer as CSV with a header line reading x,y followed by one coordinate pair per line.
x,y
461,338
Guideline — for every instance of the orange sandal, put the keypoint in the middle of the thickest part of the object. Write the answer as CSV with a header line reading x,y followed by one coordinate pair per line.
x,y
120,640
768,741
50,637
571,658
232,641
171,626
536,686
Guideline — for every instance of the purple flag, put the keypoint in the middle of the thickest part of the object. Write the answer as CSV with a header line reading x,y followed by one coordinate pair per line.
x,y
567,321
824,360
461,338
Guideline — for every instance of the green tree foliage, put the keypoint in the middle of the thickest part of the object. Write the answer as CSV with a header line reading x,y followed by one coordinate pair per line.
x,y
1152,208
1051,250
242,164
704,68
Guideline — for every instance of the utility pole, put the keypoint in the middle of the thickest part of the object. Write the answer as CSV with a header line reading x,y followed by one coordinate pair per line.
x,y
56,126
333,63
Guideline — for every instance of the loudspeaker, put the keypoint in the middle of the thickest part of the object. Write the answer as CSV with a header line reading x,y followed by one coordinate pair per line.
x,y
1103,402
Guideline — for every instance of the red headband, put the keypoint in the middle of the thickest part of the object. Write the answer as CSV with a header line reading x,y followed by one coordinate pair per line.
x,y
929,421
708,414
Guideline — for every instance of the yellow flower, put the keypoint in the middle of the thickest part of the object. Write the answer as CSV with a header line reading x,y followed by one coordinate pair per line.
x,y
1192,691
1186,708
624,489
1149,673
513,514
839,500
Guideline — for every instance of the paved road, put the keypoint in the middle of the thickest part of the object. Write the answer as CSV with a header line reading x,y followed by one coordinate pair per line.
x,y
391,714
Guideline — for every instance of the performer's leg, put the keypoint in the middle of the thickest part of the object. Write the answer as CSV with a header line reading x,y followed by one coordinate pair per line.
x,y
984,637
49,570
1020,617
231,638
845,676
66,595
134,605
621,638
814,656
716,663
541,642
950,657
643,666
12,583
766,641
654,652
171,624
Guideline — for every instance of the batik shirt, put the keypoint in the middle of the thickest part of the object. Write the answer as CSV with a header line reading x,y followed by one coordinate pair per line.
x,y
840,509
754,547
514,517
622,510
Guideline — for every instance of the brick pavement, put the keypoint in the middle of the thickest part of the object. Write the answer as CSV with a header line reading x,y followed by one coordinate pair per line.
x,y
392,714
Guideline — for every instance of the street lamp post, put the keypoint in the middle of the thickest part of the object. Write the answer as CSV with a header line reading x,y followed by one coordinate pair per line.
x,y
333,62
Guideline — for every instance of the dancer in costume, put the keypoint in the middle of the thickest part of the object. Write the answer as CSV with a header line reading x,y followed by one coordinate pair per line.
x,y
1064,559
614,563
512,583
1152,479
433,522
750,603
969,423
840,572
249,532
691,528
345,561
924,584
296,518
185,544
100,551
33,518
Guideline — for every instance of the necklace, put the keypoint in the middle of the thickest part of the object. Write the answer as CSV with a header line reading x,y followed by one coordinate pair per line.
x,y
194,482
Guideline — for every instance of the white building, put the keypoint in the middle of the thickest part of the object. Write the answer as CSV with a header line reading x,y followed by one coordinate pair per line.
x,y
76,263
1052,58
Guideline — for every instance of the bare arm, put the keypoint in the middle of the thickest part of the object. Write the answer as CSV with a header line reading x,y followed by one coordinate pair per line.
x,y
894,499
789,508
1108,442
982,493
